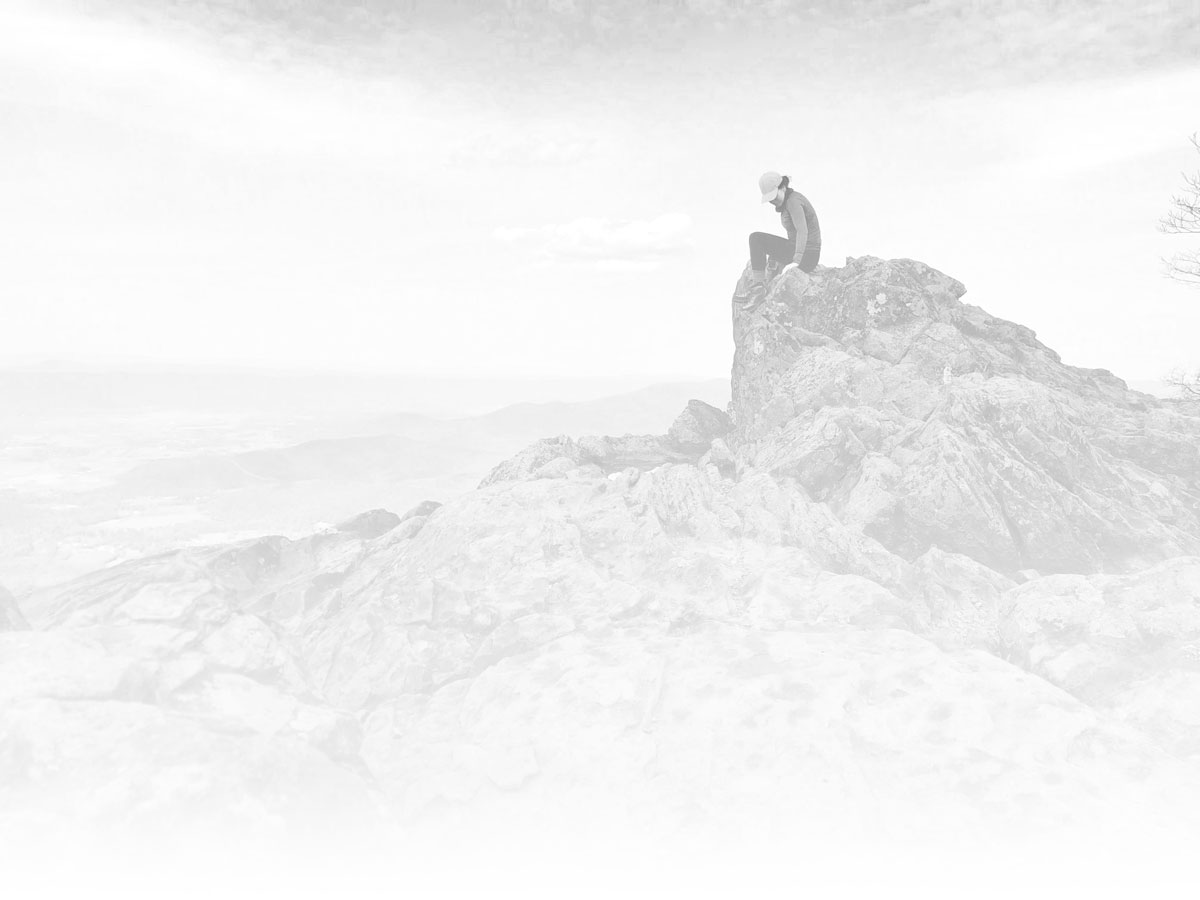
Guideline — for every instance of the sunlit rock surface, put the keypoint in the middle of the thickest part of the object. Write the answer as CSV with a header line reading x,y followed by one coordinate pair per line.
x,y
699,425
927,576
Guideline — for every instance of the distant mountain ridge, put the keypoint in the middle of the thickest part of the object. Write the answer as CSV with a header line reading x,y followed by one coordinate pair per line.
x,y
411,445
63,388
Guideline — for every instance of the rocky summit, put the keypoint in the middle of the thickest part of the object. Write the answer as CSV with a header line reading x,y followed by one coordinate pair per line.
x,y
921,574
925,422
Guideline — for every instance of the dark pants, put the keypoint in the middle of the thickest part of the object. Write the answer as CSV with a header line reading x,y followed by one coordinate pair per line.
x,y
781,250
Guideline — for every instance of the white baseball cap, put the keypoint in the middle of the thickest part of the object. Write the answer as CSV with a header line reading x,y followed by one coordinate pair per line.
x,y
769,183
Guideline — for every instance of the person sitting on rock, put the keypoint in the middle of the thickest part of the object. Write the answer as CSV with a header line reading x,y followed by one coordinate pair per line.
x,y
800,249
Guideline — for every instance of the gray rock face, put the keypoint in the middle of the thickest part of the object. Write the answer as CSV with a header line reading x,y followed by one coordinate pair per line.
x,y
184,661
627,632
414,520
422,510
373,523
699,425
561,457
11,618
926,422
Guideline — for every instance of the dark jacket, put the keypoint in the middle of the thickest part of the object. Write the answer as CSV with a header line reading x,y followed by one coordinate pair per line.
x,y
800,220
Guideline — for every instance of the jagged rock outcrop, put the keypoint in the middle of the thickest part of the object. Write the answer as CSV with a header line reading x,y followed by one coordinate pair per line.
x,y
11,618
698,426
926,422
414,520
200,588
689,437
833,607
372,523
185,662
650,635
422,510
562,456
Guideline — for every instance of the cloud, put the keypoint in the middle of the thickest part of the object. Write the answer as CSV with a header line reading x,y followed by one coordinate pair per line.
x,y
550,144
96,69
609,244
1068,129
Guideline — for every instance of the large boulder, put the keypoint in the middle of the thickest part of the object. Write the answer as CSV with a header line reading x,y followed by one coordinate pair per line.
x,y
928,423
564,456
699,425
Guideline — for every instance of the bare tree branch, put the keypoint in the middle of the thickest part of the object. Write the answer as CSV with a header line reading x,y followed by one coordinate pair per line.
x,y
1187,384
1184,218
1185,267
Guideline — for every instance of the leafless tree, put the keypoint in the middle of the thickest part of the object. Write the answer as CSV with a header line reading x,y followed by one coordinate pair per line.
x,y
1186,384
1184,218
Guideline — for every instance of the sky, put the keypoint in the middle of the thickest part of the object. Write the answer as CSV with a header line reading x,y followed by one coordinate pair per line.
x,y
189,185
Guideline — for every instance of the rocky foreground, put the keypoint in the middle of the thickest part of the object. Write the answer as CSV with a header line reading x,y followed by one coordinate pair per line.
x,y
920,575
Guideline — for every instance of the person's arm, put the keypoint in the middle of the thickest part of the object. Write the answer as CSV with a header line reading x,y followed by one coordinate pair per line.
x,y
796,212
